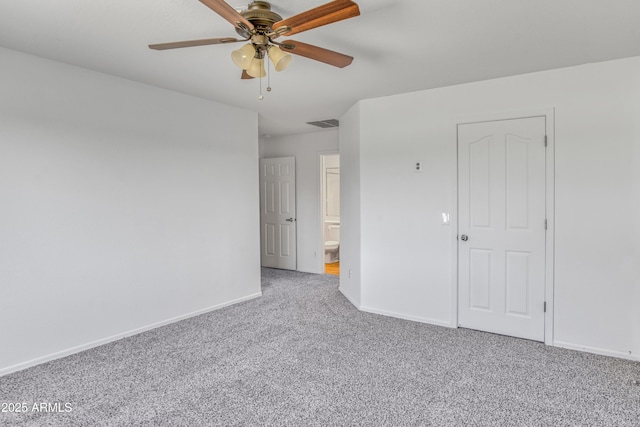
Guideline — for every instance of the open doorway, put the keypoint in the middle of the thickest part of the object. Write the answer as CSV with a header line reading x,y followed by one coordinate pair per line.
x,y
330,202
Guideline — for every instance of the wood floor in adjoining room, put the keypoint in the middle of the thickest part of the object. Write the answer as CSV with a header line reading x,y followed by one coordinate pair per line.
x,y
333,268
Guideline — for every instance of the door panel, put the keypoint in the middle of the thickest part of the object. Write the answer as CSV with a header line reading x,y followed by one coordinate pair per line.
x,y
285,237
278,212
501,166
517,283
517,182
479,166
269,239
480,279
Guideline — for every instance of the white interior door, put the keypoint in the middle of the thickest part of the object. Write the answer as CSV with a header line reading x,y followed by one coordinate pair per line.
x,y
502,226
278,212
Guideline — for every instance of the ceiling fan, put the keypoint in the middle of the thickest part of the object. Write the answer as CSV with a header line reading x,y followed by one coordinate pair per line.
x,y
260,26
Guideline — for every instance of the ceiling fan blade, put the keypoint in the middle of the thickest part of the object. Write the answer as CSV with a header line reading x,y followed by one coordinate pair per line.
x,y
322,15
245,76
189,43
227,12
317,53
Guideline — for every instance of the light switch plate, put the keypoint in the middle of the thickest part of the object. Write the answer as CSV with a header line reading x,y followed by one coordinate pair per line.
x,y
446,218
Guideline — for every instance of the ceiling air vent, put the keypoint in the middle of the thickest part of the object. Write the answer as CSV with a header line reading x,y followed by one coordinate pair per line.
x,y
329,123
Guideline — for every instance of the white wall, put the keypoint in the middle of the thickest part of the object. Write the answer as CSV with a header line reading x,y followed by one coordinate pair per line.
x,y
350,206
408,257
306,148
116,199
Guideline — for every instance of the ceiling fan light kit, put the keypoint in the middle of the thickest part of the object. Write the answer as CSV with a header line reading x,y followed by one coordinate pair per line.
x,y
280,59
260,26
243,56
256,68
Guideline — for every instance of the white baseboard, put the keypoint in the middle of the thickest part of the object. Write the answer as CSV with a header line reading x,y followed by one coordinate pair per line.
x,y
102,341
349,297
596,350
408,317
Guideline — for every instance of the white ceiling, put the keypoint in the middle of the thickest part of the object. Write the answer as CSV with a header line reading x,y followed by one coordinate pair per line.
x,y
399,46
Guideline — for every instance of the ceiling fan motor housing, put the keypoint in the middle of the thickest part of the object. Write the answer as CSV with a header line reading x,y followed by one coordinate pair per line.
x,y
261,16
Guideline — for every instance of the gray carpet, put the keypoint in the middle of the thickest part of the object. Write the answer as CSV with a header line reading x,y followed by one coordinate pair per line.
x,y
303,356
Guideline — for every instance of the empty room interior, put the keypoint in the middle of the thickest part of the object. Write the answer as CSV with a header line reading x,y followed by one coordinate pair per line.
x,y
319,212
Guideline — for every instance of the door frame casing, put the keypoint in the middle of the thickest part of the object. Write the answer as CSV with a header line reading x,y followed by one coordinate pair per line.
x,y
549,115
320,210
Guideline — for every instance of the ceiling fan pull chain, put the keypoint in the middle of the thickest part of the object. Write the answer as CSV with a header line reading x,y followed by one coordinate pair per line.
x,y
268,72
260,97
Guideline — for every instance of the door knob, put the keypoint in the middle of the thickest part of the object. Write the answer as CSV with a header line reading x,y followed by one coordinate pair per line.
x,y
290,219
464,237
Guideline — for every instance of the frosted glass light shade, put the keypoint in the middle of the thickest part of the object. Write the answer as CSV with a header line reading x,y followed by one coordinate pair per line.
x,y
256,69
243,56
280,59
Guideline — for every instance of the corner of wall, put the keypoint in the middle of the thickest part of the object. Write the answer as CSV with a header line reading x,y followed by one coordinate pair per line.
x,y
350,246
